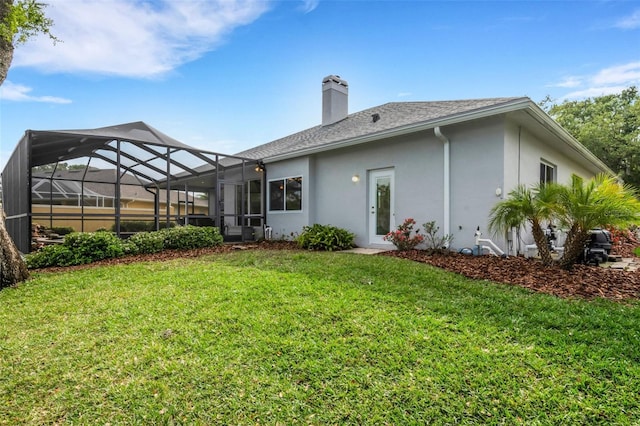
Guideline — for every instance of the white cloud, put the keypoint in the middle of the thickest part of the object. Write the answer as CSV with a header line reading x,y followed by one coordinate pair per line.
x,y
607,81
629,22
17,92
627,73
594,92
133,38
309,5
571,81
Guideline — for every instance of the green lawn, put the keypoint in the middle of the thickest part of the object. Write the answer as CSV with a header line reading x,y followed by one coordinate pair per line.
x,y
308,338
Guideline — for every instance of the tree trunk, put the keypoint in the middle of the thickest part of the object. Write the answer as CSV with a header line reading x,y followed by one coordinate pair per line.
x,y
542,243
6,46
12,268
574,247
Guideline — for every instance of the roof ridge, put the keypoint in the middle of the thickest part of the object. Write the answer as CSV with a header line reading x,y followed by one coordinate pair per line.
x,y
390,115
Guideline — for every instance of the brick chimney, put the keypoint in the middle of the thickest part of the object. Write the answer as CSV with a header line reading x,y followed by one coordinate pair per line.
x,y
335,99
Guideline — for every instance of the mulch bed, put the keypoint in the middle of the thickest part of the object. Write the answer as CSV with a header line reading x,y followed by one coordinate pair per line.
x,y
583,281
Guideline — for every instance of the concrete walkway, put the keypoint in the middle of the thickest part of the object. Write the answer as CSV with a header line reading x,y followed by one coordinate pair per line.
x,y
624,264
361,250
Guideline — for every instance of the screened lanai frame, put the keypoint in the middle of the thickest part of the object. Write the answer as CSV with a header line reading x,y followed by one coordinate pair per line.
x,y
162,165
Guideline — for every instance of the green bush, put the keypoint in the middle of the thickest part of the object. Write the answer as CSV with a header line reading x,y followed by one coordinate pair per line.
x,y
325,237
88,247
636,251
190,237
79,248
145,243
54,255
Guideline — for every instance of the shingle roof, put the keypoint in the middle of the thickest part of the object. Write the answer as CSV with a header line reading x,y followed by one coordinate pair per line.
x,y
390,116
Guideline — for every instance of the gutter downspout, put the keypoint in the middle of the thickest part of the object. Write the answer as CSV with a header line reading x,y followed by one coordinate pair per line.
x,y
447,179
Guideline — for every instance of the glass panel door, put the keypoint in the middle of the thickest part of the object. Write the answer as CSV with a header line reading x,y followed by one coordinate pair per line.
x,y
381,205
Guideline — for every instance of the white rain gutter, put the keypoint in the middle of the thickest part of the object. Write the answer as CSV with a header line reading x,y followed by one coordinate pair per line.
x,y
447,179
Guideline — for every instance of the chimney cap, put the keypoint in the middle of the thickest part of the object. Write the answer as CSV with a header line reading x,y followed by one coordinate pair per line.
x,y
334,79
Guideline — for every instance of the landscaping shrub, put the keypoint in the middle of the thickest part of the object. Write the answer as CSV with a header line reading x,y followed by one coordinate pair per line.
x,y
145,243
434,242
79,248
190,237
88,247
54,255
325,237
402,238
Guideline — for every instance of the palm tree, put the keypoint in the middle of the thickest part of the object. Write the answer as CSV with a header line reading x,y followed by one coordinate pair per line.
x,y
527,205
600,202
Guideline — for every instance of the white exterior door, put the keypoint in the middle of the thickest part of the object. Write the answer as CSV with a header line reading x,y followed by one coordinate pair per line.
x,y
381,205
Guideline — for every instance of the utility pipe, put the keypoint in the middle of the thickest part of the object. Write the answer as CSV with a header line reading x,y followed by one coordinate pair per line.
x,y
447,179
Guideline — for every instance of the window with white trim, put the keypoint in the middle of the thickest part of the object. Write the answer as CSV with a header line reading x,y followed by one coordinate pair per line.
x,y
547,172
285,194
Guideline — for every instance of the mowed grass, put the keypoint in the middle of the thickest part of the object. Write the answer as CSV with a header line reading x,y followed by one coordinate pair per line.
x,y
309,338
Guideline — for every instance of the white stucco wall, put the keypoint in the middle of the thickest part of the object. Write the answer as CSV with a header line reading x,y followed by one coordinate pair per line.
x,y
523,153
476,173
284,223
417,164
522,156
487,155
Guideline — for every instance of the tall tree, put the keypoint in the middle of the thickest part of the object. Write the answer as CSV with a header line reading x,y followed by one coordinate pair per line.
x,y
19,21
609,126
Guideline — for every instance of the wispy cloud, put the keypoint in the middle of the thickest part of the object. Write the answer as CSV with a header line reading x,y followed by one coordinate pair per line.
x,y
627,73
629,22
16,92
594,92
309,5
132,38
568,82
606,81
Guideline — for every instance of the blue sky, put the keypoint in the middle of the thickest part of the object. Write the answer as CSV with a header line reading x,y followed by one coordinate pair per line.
x,y
228,75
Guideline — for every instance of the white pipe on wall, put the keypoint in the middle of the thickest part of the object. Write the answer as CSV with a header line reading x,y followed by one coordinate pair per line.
x,y
447,179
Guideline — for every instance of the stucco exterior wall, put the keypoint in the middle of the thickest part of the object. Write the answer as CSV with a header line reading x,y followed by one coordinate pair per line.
x,y
532,150
286,223
418,168
488,158
476,173
523,153
330,196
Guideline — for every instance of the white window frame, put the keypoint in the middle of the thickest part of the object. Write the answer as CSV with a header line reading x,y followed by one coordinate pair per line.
x,y
547,165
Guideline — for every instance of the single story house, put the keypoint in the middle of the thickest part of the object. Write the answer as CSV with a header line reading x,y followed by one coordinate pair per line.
x,y
442,161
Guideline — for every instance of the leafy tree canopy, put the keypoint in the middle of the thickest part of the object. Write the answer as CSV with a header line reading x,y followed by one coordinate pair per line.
x,y
609,126
22,20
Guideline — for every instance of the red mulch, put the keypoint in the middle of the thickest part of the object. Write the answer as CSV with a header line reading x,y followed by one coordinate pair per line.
x,y
583,281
